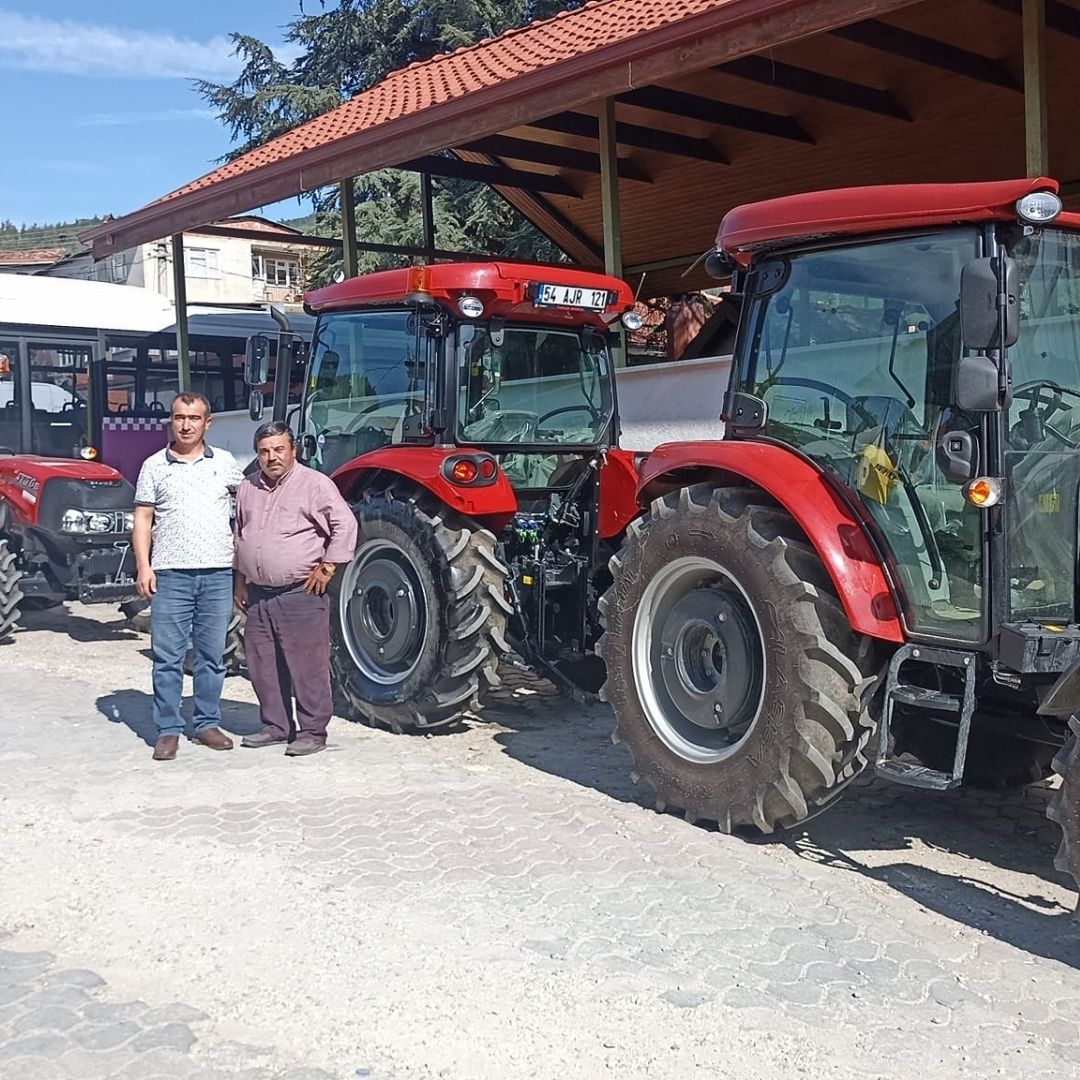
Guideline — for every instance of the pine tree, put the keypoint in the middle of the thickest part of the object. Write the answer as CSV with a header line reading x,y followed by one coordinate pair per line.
x,y
345,48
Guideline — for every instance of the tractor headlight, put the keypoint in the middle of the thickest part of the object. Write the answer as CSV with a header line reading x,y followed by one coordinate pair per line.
x,y
99,523
631,320
73,521
129,522
1038,208
472,307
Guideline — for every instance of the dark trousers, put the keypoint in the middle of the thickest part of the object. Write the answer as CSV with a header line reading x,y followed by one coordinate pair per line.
x,y
287,643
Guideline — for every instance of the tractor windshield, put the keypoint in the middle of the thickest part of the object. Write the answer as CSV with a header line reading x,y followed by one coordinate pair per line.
x,y
854,349
532,387
1042,444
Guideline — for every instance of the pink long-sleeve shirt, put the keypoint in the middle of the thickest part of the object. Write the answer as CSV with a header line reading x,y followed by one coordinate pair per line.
x,y
284,530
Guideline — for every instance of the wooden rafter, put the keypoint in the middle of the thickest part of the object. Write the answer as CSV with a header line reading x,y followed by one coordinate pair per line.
x,y
637,135
711,111
875,34
768,72
1064,18
564,157
495,175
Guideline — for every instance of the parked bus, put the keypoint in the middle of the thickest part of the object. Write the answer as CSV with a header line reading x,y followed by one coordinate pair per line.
x,y
88,369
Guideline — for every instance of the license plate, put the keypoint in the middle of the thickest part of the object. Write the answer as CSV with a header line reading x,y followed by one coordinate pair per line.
x,y
570,296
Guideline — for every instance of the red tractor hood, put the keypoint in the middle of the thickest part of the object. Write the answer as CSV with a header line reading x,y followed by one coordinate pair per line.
x,y
43,468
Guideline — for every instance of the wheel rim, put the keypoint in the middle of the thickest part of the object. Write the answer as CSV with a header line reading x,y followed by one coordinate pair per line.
x,y
382,611
698,660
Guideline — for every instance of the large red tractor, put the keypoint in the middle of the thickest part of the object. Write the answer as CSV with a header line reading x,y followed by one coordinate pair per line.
x,y
882,549
467,411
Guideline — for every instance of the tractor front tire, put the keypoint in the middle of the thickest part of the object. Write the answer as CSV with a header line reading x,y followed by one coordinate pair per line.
x,y
1064,806
736,679
10,594
418,618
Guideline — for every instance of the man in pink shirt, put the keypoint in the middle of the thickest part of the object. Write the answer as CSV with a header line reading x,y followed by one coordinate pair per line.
x,y
293,528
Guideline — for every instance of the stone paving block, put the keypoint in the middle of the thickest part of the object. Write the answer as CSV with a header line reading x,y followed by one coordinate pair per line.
x,y
173,1014
106,1036
173,1036
78,978
50,1018
98,1011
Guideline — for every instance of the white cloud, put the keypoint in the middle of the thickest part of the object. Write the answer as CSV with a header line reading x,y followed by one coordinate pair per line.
x,y
127,119
67,47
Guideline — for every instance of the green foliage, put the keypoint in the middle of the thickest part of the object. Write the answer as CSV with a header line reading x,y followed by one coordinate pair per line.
x,y
49,235
344,48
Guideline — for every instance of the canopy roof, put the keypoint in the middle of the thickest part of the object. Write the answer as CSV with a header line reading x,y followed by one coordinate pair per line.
x,y
718,102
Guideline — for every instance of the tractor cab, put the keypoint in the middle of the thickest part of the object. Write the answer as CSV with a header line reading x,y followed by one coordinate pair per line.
x,y
468,411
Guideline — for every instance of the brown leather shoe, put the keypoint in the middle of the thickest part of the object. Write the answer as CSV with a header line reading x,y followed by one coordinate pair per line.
x,y
165,747
215,738
261,738
304,745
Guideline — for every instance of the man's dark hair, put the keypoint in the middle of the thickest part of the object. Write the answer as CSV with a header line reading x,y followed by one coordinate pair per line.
x,y
272,428
189,397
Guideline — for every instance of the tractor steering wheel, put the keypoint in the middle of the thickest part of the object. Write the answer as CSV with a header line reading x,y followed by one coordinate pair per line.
x,y
1041,411
568,409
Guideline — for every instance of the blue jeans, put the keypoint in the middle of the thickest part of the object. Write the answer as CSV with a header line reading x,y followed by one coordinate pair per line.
x,y
189,606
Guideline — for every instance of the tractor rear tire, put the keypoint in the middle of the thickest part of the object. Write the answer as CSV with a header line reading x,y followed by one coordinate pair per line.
x,y
737,682
994,761
10,594
1064,806
418,618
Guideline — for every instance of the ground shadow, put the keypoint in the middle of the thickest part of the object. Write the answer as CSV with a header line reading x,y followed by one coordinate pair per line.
x,y
134,709
77,627
1003,829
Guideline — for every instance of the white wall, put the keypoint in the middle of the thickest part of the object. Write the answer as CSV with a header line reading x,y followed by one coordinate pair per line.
x,y
672,401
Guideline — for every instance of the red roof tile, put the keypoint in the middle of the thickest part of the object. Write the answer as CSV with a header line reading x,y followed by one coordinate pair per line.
x,y
32,256
447,77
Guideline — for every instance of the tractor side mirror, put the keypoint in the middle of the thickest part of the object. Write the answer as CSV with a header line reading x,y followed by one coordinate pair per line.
x,y
978,384
980,319
257,360
306,447
256,404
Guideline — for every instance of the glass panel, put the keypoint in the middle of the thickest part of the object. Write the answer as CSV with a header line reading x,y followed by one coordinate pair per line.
x,y
10,421
59,382
855,357
365,382
1043,442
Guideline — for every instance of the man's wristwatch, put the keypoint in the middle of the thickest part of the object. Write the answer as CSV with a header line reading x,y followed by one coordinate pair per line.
x,y
327,569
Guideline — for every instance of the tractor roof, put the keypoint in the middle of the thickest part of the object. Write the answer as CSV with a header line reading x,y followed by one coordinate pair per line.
x,y
861,210
503,287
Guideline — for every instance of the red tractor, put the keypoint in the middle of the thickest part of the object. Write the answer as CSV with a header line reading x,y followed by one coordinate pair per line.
x,y
468,414
65,522
882,551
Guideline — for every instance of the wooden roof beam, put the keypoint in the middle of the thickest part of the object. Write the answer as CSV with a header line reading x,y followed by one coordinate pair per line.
x,y
1064,18
495,175
564,157
767,72
887,38
637,135
711,111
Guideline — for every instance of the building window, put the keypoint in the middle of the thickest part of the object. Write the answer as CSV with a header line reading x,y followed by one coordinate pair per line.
x,y
114,269
201,263
275,271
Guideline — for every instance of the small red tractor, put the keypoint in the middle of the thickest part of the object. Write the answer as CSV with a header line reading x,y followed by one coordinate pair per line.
x,y
65,522
467,411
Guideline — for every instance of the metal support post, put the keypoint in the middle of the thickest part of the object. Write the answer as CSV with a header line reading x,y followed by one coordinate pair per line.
x,y
1036,136
427,212
183,350
349,260
609,186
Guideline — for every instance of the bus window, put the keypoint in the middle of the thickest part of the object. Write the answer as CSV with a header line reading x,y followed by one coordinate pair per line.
x,y
59,379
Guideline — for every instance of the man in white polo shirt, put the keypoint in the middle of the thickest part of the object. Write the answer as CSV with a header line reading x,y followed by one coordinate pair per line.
x,y
183,546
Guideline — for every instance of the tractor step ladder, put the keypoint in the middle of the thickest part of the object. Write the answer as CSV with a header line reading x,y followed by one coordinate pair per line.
x,y
917,697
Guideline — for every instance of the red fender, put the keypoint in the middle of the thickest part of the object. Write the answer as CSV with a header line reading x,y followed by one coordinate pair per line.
x,y
839,537
495,501
618,493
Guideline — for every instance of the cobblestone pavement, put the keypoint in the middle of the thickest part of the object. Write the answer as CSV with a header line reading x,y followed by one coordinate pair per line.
x,y
498,902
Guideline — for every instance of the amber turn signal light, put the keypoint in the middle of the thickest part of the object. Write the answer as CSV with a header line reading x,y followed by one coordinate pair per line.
x,y
983,491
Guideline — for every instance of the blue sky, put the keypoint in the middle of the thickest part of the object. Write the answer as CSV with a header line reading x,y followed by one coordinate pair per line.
x,y
99,114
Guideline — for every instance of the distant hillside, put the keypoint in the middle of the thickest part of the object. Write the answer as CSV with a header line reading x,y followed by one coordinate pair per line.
x,y
305,225
22,237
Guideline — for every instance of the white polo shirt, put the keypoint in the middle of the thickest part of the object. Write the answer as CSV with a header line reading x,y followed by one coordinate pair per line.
x,y
192,503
